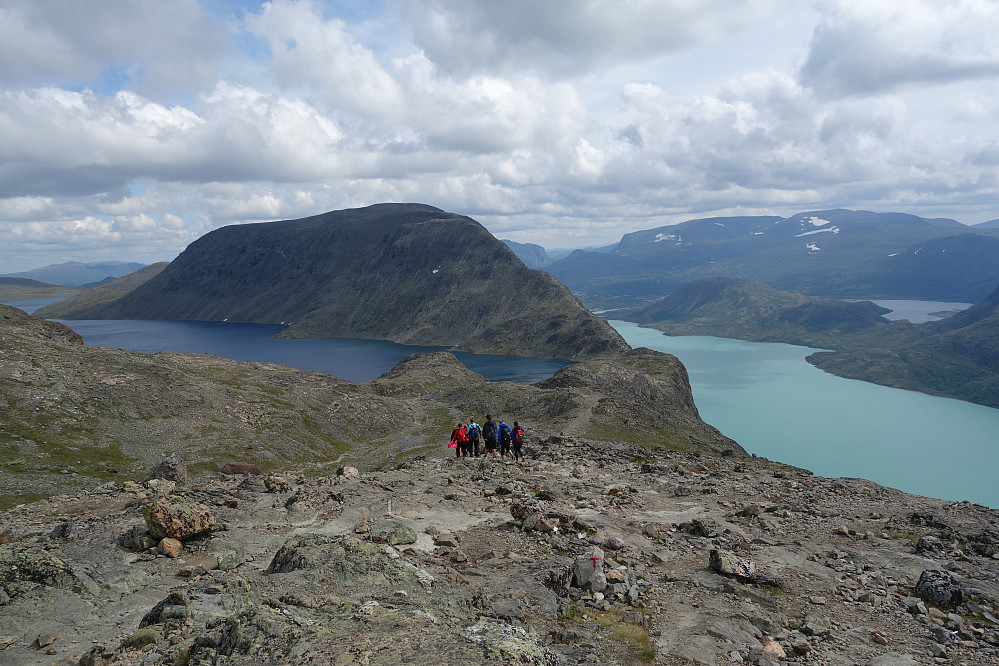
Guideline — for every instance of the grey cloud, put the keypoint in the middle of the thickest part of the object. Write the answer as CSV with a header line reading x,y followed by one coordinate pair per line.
x,y
152,46
881,47
569,36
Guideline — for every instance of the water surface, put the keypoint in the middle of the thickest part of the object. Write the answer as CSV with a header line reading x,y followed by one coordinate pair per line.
x,y
775,404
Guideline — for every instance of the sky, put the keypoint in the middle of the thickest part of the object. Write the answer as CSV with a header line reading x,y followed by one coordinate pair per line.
x,y
129,128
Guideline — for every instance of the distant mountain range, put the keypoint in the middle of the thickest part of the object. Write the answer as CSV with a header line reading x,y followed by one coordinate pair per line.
x,y
75,273
956,357
832,253
409,273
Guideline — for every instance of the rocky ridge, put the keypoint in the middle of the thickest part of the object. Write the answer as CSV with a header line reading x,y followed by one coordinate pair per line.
x,y
589,552
72,416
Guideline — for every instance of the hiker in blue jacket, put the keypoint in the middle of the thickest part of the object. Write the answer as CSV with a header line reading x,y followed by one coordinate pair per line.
x,y
474,432
505,440
489,435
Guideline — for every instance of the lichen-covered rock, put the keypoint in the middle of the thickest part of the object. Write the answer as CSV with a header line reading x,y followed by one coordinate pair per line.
x,y
276,483
178,518
729,564
36,566
171,468
505,644
172,611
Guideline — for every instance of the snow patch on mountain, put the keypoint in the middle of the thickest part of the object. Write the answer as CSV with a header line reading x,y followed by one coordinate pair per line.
x,y
830,230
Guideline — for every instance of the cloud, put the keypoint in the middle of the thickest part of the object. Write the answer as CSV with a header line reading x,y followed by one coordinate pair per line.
x,y
149,45
569,37
866,48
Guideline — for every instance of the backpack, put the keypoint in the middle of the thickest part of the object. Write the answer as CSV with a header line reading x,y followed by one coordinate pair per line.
x,y
491,430
462,435
505,434
473,431
518,435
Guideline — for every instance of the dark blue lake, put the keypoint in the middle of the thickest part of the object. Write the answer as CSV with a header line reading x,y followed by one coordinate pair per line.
x,y
348,358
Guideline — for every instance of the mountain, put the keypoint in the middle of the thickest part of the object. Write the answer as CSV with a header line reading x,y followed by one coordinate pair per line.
x,y
87,304
990,224
75,273
832,253
409,273
533,256
726,307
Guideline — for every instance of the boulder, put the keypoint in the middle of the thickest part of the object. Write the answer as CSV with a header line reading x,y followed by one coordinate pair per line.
x,y
348,472
178,518
588,571
729,564
276,483
939,587
171,468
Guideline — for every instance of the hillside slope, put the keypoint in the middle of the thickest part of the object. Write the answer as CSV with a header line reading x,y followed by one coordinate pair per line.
x,y
409,273
71,414
86,305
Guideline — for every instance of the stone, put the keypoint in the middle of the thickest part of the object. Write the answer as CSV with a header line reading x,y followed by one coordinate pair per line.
x,y
7,641
275,483
178,518
171,468
616,576
939,587
588,571
522,508
402,536
362,527
46,639
233,469
446,540
229,559
891,659
170,547
774,647
729,564
143,637
614,543
173,611
655,531
348,472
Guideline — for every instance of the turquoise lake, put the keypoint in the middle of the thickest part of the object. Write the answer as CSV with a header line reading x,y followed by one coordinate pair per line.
x,y
776,405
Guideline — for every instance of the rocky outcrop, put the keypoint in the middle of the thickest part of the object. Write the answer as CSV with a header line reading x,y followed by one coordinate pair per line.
x,y
404,272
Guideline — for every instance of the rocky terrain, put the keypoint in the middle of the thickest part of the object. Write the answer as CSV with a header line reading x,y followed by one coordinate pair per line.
x,y
409,273
587,553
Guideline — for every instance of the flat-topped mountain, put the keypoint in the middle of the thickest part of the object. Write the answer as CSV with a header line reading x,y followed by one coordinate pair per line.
x,y
831,253
409,273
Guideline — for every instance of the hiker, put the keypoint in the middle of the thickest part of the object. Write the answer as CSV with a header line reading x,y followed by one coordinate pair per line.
x,y
505,438
489,435
474,432
459,440
518,442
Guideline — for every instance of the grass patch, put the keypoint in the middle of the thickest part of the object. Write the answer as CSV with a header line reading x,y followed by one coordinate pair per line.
x,y
10,501
637,638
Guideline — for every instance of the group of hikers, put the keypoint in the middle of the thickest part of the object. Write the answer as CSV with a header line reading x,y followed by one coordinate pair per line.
x,y
509,441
